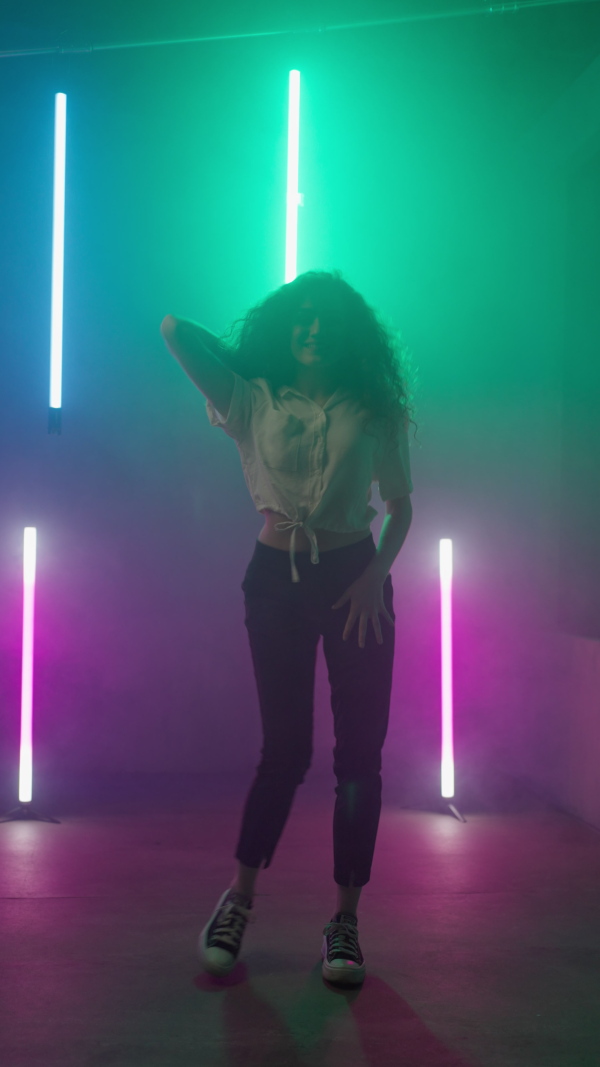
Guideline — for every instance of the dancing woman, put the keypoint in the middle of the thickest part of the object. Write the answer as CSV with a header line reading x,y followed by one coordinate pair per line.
x,y
312,393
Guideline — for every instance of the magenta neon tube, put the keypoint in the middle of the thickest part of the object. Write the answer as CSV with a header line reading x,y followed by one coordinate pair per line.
x,y
447,769
26,746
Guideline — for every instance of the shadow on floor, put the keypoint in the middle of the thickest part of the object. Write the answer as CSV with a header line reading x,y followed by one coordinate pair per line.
x,y
385,1028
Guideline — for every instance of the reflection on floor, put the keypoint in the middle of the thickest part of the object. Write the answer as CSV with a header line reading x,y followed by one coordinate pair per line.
x,y
482,940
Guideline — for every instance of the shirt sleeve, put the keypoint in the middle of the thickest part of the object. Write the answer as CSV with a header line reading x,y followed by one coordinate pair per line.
x,y
240,410
392,468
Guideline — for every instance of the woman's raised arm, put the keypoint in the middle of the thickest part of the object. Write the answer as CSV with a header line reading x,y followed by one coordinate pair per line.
x,y
196,349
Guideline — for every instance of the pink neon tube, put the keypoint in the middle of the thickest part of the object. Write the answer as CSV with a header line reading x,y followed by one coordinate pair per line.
x,y
446,650
26,747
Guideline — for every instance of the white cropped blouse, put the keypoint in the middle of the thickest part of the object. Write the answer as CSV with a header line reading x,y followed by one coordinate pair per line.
x,y
313,464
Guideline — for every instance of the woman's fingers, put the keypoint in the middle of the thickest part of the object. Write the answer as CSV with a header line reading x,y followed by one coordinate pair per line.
x,y
342,600
363,615
364,625
364,622
349,623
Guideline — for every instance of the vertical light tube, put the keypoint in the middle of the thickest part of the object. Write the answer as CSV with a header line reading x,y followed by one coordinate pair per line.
x,y
293,198
58,258
26,746
446,650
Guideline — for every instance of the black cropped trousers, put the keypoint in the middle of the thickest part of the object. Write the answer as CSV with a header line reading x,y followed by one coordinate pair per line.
x,y
285,620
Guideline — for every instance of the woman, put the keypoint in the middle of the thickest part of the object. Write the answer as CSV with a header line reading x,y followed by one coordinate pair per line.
x,y
311,392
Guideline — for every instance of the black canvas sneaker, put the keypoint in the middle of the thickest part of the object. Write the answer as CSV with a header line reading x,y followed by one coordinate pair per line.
x,y
343,961
220,941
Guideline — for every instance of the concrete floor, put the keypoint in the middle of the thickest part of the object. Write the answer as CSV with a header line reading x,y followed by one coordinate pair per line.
x,y
482,942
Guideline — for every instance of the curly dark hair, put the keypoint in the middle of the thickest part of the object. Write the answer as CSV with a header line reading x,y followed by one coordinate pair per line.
x,y
376,366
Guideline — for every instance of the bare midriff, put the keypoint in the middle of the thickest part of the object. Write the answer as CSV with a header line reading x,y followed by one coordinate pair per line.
x,y
326,539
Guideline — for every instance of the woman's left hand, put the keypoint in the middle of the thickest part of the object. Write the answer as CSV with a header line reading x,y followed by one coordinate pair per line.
x,y
366,602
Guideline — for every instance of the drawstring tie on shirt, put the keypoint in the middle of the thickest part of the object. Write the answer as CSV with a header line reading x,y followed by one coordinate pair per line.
x,y
314,548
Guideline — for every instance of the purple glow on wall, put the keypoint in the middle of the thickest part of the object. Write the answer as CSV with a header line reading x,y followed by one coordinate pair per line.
x,y
446,651
26,746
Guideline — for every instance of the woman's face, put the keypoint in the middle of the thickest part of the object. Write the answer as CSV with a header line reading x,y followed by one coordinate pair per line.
x,y
318,333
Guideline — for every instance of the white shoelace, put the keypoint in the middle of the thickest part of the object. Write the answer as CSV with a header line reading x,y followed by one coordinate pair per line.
x,y
344,940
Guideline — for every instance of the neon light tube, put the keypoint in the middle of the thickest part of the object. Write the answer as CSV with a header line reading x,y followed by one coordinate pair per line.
x,y
26,747
293,198
58,250
446,632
